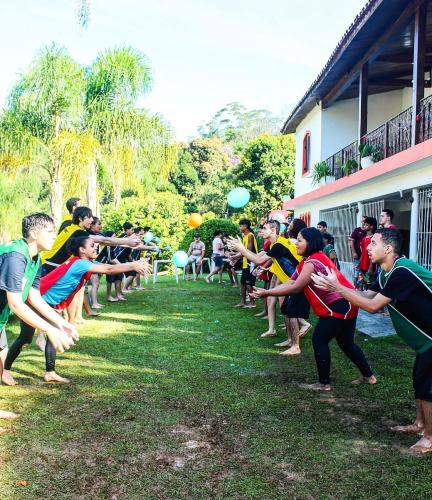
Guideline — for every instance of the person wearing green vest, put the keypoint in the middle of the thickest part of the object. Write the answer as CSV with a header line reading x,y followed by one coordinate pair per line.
x,y
19,287
405,288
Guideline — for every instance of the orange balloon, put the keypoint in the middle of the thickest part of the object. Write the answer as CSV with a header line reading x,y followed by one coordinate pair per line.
x,y
195,220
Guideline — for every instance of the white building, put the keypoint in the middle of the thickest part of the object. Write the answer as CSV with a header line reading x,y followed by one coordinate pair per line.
x,y
375,89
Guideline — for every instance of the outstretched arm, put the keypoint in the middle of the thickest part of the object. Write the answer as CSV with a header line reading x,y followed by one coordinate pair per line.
x,y
257,258
36,300
370,301
111,241
139,266
58,338
290,287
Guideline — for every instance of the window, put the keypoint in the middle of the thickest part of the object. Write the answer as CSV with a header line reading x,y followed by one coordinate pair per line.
x,y
306,154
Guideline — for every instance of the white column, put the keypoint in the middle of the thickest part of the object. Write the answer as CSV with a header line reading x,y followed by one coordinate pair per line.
x,y
414,225
359,213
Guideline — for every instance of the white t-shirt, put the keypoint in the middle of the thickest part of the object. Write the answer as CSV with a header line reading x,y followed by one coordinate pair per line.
x,y
216,244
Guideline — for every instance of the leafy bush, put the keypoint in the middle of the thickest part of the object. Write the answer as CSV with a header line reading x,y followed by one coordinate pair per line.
x,y
206,230
163,212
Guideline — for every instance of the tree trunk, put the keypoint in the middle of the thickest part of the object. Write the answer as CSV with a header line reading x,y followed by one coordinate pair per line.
x,y
56,197
117,188
92,189
56,191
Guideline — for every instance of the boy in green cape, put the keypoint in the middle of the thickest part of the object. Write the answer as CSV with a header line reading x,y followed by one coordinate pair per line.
x,y
406,288
19,287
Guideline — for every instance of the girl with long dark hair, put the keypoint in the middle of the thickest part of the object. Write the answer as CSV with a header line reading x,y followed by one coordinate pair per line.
x,y
336,316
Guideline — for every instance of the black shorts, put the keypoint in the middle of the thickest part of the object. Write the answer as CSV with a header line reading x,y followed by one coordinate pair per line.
x,y
296,306
422,376
247,278
130,273
112,278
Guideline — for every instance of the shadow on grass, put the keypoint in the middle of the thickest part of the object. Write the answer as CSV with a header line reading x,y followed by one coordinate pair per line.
x,y
143,388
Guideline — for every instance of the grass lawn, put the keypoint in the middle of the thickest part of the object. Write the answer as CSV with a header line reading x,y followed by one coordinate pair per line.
x,y
175,396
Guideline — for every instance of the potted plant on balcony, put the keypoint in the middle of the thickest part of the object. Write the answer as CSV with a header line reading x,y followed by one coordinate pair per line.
x,y
366,155
349,167
321,172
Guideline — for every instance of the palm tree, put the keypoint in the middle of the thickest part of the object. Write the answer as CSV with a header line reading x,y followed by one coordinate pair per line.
x,y
46,101
115,81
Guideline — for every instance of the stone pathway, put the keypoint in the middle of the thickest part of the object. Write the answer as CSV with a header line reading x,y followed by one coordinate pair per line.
x,y
374,325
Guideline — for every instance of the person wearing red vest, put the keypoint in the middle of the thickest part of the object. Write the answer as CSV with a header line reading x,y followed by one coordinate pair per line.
x,y
59,287
336,316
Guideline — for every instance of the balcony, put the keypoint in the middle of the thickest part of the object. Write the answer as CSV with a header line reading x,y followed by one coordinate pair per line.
x,y
388,139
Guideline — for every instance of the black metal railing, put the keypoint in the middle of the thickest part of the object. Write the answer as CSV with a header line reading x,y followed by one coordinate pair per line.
x,y
387,140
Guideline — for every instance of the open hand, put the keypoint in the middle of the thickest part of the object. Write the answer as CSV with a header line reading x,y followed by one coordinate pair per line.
x,y
235,243
258,293
257,271
132,241
142,267
69,329
327,281
59,339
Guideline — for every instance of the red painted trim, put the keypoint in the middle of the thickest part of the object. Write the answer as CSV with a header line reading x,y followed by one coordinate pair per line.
x,y
395,162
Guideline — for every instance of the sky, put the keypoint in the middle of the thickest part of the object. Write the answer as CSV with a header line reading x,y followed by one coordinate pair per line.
x,y
204,54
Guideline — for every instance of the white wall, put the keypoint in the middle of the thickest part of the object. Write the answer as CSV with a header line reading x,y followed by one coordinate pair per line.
x,y
312,124
339,126
417,174
407,96
383,107
336,127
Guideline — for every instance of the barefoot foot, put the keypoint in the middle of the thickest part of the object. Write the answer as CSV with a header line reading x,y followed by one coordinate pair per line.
x,y
8,415
365,380
285,343
317,387
7,378
292,351
303,330
409,429
53,377
269,333
423,445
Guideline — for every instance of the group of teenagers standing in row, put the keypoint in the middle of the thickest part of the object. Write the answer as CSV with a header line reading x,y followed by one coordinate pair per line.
x,y
43,275
295,270
299,275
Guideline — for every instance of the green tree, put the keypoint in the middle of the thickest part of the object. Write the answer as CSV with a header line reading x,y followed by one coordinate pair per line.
x,y
164,212
206,231
185,176
267,170
46,101
235,125
202,172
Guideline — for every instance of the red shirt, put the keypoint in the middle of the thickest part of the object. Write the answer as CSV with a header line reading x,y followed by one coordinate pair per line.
x,y
364,258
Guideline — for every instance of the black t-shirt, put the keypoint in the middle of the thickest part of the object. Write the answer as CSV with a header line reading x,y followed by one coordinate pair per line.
x,y
122,254
409,296
284,257
65,223
12,267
